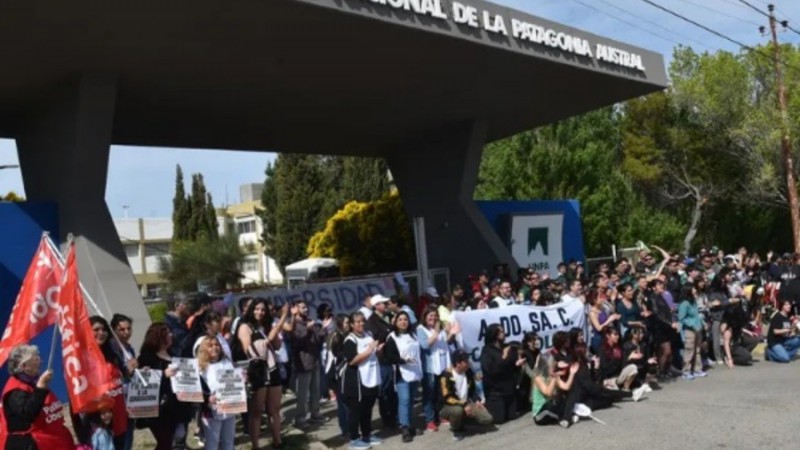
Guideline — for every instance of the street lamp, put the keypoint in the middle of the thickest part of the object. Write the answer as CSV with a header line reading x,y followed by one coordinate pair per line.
x,y
9,166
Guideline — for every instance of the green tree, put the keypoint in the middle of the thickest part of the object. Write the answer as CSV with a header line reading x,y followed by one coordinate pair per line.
x,y
367,237
203,260
269,203
180,208
202,223
298,179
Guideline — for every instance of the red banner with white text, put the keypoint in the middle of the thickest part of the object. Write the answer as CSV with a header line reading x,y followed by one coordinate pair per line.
x,y
36,306
85,368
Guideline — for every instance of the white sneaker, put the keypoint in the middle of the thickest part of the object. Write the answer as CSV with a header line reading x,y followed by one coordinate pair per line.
x,y
647,388
639,392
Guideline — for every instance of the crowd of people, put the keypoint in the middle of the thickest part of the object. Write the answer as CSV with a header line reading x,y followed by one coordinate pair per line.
x,y
659,318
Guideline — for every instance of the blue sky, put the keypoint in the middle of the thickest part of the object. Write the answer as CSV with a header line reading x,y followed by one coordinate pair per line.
x,y
143,178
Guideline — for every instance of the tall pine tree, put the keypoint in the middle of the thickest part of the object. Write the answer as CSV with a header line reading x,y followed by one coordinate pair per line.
x,y
180,208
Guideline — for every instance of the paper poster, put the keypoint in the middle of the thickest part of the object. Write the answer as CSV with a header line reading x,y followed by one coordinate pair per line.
x,y
143,394
230,391
186,382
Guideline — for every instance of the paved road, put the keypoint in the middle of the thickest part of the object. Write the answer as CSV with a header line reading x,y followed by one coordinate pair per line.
x,y
743,408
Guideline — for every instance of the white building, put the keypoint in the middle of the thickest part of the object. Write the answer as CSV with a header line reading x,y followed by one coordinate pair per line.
x,y
146,240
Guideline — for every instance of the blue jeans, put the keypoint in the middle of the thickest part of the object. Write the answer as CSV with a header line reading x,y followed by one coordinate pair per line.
x,y
431,397
405,401
783,353
220,433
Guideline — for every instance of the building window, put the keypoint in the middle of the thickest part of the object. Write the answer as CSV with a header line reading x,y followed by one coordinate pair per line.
x,y
156,250
250,265
246,227
154,290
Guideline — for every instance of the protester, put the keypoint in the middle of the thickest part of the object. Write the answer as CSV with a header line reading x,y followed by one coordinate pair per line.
x,y
114,367
499,363
360,382
335,366
123,328
306,340
615,371
33,416
637,352
403,351
462,403
691,325
434,343
212,329
379,326
219,432
504,298
172,414
100,422
628,309
783,342
257,338
176,321
661,327
600,318
530,351
549,389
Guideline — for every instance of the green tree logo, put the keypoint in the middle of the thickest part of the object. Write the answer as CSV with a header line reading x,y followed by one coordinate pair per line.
x,y
539,236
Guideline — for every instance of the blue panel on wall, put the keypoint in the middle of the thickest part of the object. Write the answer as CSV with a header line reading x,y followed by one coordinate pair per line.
x,y
21,227
539,233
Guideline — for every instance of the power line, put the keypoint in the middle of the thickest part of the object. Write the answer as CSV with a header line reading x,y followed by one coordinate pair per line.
x,y
753,7
697,24
656,24
716,11
717,33
627,22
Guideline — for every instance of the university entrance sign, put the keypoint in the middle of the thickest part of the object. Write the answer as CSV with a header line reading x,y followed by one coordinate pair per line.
x,y
511,24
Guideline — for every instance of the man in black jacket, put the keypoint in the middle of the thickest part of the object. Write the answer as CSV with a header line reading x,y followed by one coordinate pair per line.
x,y
379,325
499,363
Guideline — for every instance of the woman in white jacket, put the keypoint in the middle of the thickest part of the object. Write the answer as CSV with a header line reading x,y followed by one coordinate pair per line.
x,y
220,429
404,352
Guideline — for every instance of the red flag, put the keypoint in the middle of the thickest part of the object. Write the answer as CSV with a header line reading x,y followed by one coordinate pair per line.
x,y
85,368
36,305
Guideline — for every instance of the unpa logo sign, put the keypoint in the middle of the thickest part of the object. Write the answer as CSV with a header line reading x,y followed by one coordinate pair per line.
x,y
538,238
536,241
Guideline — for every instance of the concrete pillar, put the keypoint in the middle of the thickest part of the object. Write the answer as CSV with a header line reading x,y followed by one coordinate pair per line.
x,y
436,177
64,150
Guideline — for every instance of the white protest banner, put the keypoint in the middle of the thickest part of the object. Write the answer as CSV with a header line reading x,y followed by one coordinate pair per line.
x,y
229,389
186,382
343,296
143,399
516,321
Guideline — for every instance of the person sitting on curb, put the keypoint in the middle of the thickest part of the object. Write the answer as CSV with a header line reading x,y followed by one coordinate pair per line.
x,y
461,401
782,344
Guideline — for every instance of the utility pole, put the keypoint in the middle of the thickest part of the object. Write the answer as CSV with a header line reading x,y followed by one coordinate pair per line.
x,y
786,142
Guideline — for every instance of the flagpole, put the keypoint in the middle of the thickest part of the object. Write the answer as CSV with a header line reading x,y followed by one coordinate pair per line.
x,y
89,298
52,348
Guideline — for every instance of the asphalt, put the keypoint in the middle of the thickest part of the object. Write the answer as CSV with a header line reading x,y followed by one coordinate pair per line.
x,y
740,408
